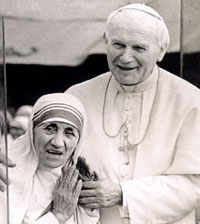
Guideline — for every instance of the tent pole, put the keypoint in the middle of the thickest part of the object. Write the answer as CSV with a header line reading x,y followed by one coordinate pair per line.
x,y
181,39
4,107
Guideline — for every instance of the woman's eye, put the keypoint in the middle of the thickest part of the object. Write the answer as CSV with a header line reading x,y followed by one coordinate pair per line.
x,y
50,128
69,132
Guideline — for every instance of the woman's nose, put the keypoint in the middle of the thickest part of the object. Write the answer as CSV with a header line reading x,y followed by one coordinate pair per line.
x,y
58,140
127,56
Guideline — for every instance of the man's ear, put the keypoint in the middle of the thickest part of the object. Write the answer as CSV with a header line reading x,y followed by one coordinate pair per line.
x,y
105,38
163,50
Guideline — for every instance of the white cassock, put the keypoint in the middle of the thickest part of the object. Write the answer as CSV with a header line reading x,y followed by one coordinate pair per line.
x,y
158,164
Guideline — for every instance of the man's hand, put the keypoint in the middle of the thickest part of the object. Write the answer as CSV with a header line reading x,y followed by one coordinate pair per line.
x,y
96,194
3,180
66,194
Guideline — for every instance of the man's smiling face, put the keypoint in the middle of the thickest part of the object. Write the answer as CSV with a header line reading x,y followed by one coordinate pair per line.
x,y
133,46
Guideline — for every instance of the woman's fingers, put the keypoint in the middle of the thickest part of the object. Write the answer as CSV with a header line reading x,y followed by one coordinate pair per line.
x,y
78,187
74,178
69,179
67,173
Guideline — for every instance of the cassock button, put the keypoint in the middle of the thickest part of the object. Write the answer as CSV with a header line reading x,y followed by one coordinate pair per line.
x,y
127,108
123,175
125,162
128,121
130,95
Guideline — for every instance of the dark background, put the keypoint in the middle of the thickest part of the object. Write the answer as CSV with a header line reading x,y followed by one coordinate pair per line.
x,y
25,83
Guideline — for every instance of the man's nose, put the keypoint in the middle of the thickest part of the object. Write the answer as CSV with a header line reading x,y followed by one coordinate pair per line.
x,y
58,140
127,55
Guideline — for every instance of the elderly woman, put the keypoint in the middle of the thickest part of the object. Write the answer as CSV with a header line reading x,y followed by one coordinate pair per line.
x,y
44,170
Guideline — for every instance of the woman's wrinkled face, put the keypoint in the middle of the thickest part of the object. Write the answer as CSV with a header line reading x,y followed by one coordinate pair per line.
x,y
55,142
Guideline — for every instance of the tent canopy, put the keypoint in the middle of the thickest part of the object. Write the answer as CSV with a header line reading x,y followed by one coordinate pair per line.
x,y
65,32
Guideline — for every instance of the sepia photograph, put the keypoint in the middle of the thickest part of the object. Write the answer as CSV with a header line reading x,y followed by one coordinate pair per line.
x,y
100,112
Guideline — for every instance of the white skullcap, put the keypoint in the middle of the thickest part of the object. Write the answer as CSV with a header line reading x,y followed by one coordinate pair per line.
x,y
139,7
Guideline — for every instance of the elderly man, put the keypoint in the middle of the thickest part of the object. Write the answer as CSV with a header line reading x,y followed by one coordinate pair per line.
x,y
144,127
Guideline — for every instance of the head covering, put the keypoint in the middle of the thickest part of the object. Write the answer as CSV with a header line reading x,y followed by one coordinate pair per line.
x,y
24,110
49,110
28,180
138,7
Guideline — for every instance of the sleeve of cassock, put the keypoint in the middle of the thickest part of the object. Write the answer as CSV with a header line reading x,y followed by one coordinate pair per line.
x,y
176,193
161,199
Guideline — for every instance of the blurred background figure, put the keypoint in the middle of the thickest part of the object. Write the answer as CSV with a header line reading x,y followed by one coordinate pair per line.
x,y
18,126
24,110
